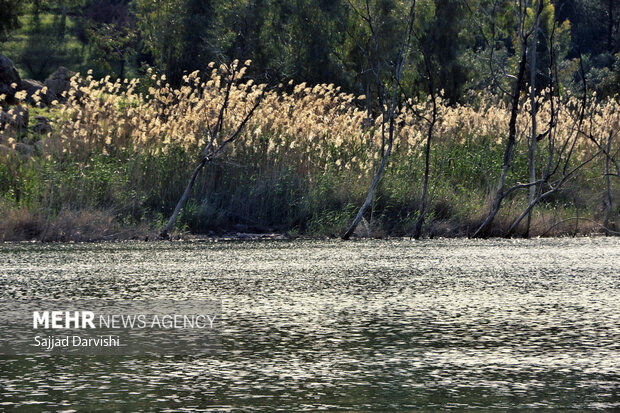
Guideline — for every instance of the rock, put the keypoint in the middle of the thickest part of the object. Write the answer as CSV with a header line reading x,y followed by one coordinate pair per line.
x,y
6,150
25,149
15,118
8,77
39,146
31,87
4,119
42,126
22,116
59,82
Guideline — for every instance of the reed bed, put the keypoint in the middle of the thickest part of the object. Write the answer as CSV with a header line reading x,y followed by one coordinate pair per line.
x,y
302,163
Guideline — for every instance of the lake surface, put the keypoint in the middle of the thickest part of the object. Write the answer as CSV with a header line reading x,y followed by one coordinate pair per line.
x,y
330,325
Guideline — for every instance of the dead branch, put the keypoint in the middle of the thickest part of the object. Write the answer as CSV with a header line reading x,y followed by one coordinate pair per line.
x,y
212,149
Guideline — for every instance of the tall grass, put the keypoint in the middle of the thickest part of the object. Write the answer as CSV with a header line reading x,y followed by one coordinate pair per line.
x,y
125,148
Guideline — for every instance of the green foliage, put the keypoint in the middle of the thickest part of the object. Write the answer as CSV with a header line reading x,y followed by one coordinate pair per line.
x,y
315,41
178,34
243,194
112,44
9,16
37,50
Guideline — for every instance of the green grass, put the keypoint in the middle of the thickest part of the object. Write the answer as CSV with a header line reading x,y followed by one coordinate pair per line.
x,y
140,191
39,50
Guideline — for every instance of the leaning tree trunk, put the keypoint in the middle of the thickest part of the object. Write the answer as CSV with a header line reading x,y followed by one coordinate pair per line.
x,y
211,151
371,193
512,139
402,57
183,200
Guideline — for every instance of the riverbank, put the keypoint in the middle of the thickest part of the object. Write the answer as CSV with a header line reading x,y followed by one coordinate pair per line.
x,y
96,226
124,197
112,163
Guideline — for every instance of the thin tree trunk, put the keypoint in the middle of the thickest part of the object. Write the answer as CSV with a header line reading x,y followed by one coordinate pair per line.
x,y
183,200
609,200
63,21
427,154
371,192
210,152
402,56
122,71
417,233
534,133
512,139
427,159
553,190
610,25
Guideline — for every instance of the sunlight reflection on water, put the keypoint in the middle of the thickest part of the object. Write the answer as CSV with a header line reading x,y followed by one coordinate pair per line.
x,y
309,325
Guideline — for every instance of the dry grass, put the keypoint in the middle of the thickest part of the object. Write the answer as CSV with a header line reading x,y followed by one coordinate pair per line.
x,y
314,127
315,147
22,224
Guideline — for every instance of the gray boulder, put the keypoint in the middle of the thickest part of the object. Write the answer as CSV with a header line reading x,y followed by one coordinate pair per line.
x,y
15,118
25,149
42,126
4,118
31,87
59,82
8,76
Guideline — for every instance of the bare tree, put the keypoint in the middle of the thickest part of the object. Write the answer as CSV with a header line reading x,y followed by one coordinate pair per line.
x,y
417,230
417,233
533,135
610,160
388,111
558,166
522,34
215,145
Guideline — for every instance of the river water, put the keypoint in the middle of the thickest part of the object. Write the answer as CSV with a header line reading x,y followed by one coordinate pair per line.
x,y
329,325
